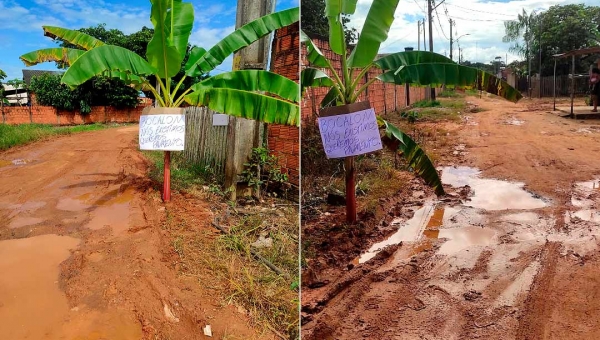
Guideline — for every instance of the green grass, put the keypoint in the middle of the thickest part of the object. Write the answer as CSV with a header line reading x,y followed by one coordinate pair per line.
x,y
427,103
449,94
183,175
13,135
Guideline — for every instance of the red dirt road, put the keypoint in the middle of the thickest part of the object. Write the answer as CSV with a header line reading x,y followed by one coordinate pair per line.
x,y
474,266
82,252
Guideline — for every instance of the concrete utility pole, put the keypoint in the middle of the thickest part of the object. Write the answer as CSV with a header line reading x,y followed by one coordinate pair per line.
x,y
244,134
419,36
430,8
451,40
424,40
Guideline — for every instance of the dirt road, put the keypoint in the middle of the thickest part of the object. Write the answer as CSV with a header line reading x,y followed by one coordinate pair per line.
x,y
82,252
512,253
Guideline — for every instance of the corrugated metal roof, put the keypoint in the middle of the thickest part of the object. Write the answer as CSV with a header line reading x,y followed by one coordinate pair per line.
x,y
588,50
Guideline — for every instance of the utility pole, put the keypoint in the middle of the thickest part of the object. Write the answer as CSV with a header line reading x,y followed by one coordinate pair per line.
x,y
540,46
424,40
419,36
451,40
244,134
430,8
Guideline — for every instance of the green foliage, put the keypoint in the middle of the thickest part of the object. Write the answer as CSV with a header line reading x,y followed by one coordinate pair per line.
x,y
262,171
314,20
3,100
13,135
410,116
100,91
427,103
167,52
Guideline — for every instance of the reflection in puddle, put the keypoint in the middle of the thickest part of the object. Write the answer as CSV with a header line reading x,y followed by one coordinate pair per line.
x,y
427,226
582,199
30,299
491,194
23,222
4,163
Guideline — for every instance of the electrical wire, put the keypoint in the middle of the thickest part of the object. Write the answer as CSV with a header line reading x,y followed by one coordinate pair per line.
x,y
440,23
391,42
474,10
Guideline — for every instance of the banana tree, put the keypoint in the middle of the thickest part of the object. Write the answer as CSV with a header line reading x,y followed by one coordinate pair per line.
x,y
419,68
251,94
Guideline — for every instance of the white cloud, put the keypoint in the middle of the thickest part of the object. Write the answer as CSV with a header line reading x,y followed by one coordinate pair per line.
x,y
207,37
485,30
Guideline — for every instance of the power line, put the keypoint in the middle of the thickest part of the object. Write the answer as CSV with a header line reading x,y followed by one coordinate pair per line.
x,y
422,9
440,23
474,10
391,42
486,20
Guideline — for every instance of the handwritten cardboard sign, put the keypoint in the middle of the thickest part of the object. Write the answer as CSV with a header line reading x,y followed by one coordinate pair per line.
x,y
350,134
162,131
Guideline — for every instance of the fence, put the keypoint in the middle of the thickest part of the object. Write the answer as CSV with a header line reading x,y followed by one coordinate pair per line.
x,y
205,144
563,86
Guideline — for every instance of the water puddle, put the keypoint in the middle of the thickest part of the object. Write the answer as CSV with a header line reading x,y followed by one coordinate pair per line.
x,y
514,121
582,199
5,163
31,302
23,222
491,194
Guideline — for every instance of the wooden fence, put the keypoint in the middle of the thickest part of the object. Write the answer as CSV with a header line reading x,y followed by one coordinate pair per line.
x,y
205,144
563,86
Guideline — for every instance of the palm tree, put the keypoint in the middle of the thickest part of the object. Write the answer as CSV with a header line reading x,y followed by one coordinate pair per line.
x,y
514,30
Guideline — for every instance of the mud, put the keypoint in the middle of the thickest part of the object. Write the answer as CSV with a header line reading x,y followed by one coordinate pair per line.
x,y
510,253
82,252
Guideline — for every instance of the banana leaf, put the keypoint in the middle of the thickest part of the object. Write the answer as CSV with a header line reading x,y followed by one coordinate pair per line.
x,y
246,104
436,74
242,37
375,31
79,39
313,53
337,39
172,25
59,54
395,60
195,54
253,80
417,159
312,77
332,98
106,58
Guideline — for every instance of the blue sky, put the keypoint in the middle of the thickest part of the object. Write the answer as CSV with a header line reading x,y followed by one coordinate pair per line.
x,y
479,25
21,23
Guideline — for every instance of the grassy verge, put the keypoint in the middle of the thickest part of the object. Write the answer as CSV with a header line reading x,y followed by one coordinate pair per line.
x,y
13,135
225,261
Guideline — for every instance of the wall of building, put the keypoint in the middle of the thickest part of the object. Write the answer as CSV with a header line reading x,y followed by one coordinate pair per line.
x,y
283,141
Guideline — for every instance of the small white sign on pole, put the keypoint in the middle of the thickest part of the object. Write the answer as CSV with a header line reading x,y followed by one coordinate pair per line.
x,y
220,119
165,132
350,134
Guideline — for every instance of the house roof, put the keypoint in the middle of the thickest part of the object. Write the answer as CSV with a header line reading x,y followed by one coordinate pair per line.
x,y
588,50
28,74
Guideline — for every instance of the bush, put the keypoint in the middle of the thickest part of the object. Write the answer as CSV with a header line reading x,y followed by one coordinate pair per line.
x,y
99,91
427,103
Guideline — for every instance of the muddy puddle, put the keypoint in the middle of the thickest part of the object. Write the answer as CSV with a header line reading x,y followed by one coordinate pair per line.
x,y
583,200
19,161
32,305
110,210
465,226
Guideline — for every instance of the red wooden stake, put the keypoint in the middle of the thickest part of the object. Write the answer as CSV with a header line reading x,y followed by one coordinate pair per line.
x,y
167,179
350,191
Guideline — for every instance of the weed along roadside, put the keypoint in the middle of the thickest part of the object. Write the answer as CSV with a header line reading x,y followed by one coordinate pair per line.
x,y
126,235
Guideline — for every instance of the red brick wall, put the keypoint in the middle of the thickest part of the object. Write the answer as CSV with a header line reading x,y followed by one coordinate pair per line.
x,y
384,98
51,115
284,141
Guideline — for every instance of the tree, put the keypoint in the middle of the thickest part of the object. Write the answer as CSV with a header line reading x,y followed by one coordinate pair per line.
x,y
514,30
238,93
561,29
18,84
410,67
3,101
314,20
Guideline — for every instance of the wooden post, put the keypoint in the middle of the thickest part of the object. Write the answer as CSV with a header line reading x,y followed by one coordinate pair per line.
x,y
350,190
554,91
572,83
167,178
